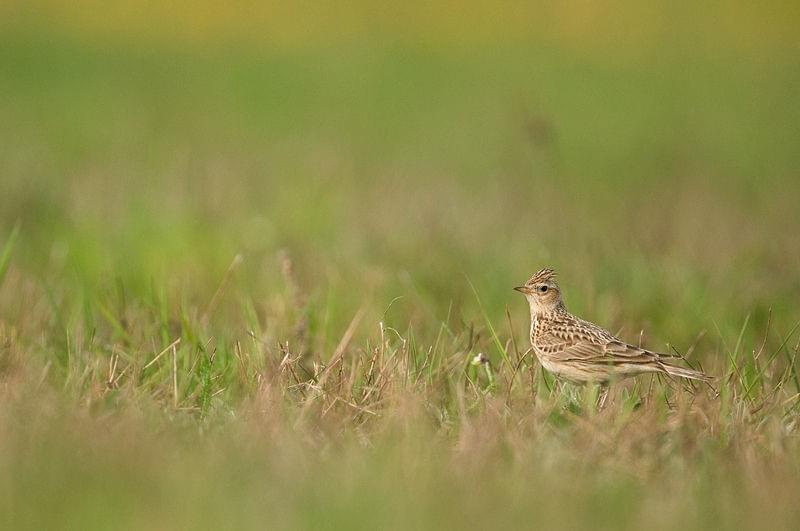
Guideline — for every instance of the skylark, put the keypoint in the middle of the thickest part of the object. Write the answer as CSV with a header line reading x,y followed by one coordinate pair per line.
x,y
580,351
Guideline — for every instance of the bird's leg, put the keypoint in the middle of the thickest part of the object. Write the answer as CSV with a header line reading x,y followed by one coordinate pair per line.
x,y
601,398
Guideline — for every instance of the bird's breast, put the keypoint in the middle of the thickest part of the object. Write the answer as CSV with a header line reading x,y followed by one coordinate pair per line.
x,y
534,328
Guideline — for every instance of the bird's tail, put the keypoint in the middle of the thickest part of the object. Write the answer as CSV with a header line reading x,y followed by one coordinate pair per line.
x,y
691,374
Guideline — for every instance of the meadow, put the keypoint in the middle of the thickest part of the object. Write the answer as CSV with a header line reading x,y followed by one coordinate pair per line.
x,y
248,255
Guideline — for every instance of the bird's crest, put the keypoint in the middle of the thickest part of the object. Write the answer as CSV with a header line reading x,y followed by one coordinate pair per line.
x,y
543,275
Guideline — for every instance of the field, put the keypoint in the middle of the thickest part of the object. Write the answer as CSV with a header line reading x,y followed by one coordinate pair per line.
x,y
247,255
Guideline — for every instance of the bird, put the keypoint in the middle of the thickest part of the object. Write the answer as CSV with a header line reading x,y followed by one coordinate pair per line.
x,y
581,352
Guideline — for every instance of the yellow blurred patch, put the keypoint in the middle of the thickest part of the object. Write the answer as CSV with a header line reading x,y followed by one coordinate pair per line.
x,y
622,27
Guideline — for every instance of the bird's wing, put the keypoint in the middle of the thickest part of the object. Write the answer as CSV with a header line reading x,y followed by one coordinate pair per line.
x,y
569,348
585,342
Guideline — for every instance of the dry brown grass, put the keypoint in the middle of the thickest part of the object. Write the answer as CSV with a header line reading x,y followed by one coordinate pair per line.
x,y
387,431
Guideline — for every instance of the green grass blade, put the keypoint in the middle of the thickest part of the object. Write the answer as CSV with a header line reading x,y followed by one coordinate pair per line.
x,y
8,249
496,339
113,321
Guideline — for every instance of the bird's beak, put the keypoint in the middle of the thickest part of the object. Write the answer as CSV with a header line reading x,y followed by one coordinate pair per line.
x,y
521,289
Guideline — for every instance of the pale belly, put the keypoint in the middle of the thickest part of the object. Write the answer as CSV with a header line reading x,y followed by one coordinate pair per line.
x,y
587,372
549,366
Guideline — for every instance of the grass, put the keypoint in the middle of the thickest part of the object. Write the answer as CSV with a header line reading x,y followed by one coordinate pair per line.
x,y
243,278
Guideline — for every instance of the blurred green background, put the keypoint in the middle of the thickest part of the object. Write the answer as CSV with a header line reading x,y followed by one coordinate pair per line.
x,y
650,152
377,142
639,145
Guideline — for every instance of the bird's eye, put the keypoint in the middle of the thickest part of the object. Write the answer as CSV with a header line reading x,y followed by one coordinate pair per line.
x,y
542,289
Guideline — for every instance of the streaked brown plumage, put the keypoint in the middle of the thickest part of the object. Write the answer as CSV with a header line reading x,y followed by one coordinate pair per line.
x,y
580,351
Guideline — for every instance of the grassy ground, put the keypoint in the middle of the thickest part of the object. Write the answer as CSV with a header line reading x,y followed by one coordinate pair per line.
x,y
245,263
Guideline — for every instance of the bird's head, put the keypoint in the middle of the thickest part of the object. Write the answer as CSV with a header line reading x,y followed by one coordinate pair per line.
x,y
542,291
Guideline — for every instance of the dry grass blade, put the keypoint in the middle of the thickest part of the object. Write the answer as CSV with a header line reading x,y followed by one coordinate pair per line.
x,y
8,249
175,375
212,304
341,347
158,356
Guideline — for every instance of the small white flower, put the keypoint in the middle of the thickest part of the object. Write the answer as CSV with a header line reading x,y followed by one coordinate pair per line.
x,y
479,359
